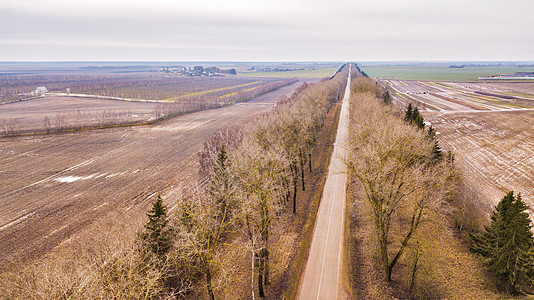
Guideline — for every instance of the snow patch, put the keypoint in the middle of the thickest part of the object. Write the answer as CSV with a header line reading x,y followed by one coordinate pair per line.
x,y
73,178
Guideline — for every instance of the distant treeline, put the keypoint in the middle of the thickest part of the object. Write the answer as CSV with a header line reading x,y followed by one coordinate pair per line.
x,y
68,121
145,86
459,66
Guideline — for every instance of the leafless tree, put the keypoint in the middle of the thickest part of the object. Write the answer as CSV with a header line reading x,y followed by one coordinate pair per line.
x,y
393,162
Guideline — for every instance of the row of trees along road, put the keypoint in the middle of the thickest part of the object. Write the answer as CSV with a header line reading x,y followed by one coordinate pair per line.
x,y
400,166
249,181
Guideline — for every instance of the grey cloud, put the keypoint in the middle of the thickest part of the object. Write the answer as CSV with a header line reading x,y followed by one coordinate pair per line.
x,y
279,30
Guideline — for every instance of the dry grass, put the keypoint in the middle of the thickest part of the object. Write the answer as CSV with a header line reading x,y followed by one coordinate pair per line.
x,y
97,264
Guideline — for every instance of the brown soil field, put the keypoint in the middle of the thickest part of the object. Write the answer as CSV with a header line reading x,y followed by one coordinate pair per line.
x,y
495,149
513,88
53,186
462,96
491,137
30,114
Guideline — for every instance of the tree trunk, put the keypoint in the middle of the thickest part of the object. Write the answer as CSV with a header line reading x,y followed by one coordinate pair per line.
x,y
208,285
302,177
309,162
416,219
294,172
302,163
294,197
388,275
285,184
266,258
260,277
415,266
384,253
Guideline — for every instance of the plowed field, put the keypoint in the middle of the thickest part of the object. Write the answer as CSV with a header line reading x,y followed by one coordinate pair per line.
x,y
491,134
54,186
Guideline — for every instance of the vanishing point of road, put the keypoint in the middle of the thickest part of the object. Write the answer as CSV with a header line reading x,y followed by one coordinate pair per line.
x,y
323,275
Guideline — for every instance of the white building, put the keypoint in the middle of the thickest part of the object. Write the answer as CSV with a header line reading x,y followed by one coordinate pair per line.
x,y
41,90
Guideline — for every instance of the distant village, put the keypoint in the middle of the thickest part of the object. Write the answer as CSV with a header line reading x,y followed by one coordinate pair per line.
x,y
274,69
197,71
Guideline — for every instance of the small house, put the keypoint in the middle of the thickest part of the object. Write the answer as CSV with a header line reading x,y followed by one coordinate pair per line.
x,y
41,90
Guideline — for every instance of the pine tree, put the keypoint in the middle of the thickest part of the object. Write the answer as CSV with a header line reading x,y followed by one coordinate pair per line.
x,y
508,244
431,132
220,187
413,116
418,119
387,98
408,114
157,235
436,149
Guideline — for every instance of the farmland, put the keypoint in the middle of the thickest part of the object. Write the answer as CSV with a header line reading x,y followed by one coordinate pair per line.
x,y
153,86
488,126
494,147
437,72
461,96
54,186
148,86
319,72
121,100
45,113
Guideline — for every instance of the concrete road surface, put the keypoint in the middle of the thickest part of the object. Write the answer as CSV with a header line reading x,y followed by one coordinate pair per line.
x,y
323,274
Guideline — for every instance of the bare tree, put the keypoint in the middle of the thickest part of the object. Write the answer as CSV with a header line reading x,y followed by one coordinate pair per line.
x,y
394,164
259,174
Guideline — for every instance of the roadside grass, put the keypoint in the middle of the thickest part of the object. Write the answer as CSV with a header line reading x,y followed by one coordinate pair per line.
x,y
438,73
309,73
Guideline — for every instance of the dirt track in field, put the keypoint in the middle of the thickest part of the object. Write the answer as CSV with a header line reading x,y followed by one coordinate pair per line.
x,y
491,137
53,186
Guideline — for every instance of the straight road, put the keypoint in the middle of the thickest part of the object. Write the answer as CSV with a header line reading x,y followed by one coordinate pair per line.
x,y
323,274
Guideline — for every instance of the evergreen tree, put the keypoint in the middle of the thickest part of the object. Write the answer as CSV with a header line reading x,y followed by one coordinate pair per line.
x,y
221,188
157,235
419,122
408,114
417,119
387,98
508,244
220,180
431,132
436,149
413,116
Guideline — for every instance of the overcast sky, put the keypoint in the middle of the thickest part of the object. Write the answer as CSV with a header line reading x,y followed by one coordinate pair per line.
x,y
268,30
